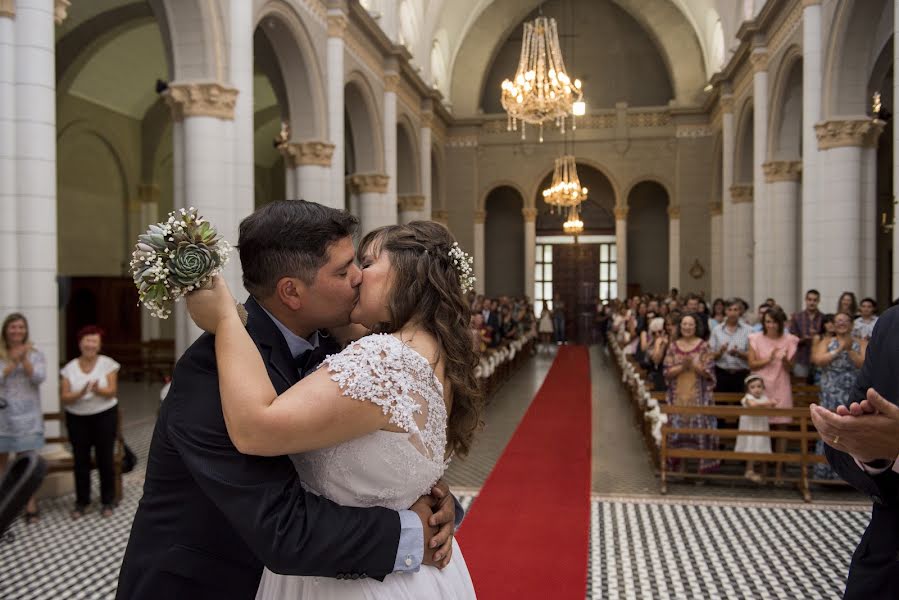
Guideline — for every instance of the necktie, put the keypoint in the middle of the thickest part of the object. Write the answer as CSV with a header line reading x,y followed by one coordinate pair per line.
x,y
307,360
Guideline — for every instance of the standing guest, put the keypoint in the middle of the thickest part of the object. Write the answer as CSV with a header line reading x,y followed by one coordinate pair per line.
x,y
22,370
827,333
693,307
759,325
559,320
545,328
755,398
718,316
729,344
806,325
89,386
691,380
771,356
840,360
864,324
847,304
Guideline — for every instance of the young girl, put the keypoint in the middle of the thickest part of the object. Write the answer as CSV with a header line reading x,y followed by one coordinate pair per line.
x,y
545,327
755,398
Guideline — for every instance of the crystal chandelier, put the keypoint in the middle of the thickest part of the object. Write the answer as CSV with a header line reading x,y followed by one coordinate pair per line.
x,y
573,225
566,189
541,90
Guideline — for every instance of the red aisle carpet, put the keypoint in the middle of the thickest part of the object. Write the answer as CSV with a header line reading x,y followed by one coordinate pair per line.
x,y
526,535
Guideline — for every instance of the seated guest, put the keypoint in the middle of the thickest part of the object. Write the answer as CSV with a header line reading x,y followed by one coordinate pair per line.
x,y
864,324
89,384
729,344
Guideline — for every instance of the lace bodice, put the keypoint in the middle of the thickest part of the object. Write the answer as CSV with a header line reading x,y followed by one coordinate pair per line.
x,y
384,468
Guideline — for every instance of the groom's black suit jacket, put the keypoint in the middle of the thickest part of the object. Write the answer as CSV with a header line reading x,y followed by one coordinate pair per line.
x,y
874,572
211,517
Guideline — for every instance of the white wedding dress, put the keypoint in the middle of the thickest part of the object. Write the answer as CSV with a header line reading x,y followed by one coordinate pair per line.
x,y
384,468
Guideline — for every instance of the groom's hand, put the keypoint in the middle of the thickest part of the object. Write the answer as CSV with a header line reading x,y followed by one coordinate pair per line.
x,y
444,517
424,508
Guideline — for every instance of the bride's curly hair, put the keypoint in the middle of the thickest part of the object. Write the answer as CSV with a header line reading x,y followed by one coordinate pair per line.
x,y
426,290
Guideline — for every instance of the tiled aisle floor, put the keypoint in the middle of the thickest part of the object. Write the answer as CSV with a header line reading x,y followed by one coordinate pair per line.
x,y
710,545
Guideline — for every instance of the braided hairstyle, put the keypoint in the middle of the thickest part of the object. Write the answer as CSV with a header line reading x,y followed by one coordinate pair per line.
x,y
426,291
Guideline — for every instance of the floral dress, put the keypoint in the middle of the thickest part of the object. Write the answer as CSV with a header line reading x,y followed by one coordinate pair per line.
x,y
688,389
837,380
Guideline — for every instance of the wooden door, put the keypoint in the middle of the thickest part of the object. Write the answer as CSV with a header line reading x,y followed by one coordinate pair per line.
x,y
110,302
576,281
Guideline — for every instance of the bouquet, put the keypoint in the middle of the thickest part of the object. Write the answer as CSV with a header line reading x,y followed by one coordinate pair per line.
x,y
175,257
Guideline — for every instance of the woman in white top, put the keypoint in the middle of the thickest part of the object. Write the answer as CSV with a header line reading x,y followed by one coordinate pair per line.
x,y
89,385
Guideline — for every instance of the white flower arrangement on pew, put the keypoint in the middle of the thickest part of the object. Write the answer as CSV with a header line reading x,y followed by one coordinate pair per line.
x,y
650,406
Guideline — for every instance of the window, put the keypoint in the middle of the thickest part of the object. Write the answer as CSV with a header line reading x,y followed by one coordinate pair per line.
x,y
608,271
543,277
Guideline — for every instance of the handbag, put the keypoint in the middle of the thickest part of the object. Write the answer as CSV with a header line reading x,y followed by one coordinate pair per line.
x,y
129,461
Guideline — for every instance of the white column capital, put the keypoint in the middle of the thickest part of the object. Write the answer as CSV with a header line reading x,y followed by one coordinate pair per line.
x,y
740,194
727,103
716,209
807,3
337,24
849,132
201,100
391,82
530,214
427,119
410,202
673,212
369,183
8,9
480,217
782,170
440,216
759,60
621,213
312,152
61,10
148,193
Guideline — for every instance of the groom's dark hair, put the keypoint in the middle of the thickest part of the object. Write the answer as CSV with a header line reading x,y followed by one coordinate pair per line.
x,y
289,238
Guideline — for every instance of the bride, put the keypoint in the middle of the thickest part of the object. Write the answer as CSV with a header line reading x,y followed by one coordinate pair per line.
x,y
377,423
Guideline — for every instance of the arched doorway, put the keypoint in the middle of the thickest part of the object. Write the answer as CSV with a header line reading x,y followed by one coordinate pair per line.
x,y
577,271
647,239
504,243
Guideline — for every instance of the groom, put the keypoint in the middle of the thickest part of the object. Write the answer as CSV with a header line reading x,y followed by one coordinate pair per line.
x,y
211,517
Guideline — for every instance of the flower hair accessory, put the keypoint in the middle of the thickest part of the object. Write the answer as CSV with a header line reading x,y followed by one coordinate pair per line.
x,y
176,257
463,265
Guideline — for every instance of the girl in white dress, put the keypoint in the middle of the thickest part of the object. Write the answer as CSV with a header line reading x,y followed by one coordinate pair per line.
x,y
755,398
377,424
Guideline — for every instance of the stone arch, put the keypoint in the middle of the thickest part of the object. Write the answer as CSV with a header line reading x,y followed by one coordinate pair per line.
x,y
407,158
647,178
647,235
743,149
850,54
198,48
785,125
504,241
365,125
303,100
493,185
670,29
535,188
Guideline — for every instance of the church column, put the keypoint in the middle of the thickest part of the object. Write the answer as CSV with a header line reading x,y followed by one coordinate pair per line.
x,y
35,233
741,241
440,216
424,160
716,274
241,131
530,249
728,211
673,249
308,166
9,296
870,220
763,260
337,23
840,208
391,83
784,190
812,75
480,264
621,245
411,207
200,112
374,209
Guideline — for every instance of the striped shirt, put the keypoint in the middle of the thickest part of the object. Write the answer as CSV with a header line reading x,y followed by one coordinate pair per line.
x,y
739,339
